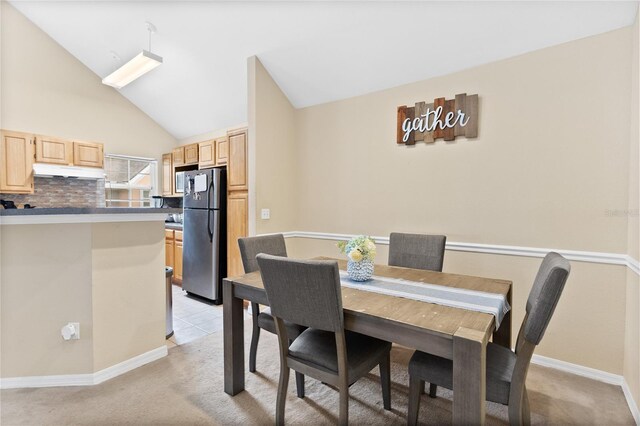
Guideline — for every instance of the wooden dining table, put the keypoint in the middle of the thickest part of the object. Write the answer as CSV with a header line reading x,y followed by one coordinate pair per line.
x,y
457,334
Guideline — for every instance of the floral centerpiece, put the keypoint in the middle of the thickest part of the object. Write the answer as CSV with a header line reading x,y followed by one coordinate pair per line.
x,y
361,251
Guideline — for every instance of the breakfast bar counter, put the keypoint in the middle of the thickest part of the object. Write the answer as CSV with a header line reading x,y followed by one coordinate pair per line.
x,y
83,215
101,268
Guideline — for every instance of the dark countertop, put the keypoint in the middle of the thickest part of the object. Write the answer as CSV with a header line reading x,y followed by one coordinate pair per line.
x,y
85,210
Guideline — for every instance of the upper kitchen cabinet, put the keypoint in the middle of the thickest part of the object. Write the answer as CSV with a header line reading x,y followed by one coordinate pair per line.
x,y
16,162
88,154
178,156
207,154
167,175
237,160
222,151
191,154
53,150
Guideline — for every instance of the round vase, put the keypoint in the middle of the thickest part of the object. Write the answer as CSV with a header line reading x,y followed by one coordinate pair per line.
x,y
360,271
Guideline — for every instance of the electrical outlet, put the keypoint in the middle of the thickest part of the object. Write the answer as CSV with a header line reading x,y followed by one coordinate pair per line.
x,y
265,214
71,331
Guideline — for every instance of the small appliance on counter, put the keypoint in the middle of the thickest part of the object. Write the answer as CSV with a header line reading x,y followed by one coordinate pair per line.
x,y
157,201
8,204
174,218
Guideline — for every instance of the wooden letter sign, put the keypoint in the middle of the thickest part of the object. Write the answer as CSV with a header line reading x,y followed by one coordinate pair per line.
x,y
443,119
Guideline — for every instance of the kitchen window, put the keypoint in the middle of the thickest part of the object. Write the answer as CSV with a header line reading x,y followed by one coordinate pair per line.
x,y
130,181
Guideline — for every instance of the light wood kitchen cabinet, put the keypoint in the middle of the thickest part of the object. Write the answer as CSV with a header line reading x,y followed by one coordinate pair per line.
x,y
178,156
191,154
206,154
173,253
167,175
237,224
168,248
53,150
177,256
237,162
16,162
88,154
222,151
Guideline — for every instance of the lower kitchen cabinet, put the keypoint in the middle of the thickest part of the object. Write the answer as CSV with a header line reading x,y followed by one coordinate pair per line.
x,y
173,253
177,253
237,221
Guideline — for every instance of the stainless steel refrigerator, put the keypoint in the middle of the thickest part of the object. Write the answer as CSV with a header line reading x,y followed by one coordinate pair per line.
x,y
204,257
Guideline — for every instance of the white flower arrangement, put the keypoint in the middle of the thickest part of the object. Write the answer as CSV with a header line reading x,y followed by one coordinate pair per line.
x,y
359,248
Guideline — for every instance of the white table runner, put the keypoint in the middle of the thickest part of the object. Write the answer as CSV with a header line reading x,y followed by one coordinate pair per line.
x,y
480,301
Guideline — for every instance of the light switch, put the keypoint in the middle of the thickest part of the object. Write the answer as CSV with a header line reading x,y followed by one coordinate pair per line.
x,y
265,214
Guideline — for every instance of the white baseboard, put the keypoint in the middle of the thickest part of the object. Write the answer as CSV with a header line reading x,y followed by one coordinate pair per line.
x,y
592,373
84,379
579,370
631,402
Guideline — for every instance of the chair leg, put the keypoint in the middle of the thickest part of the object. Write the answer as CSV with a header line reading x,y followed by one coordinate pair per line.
x,y
415,387
282,394
253,350
517,410
300,384
526,414
385,380
423,391
343,420
433,390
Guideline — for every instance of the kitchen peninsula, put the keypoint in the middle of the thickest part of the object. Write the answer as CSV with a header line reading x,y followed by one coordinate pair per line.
x,y
100,267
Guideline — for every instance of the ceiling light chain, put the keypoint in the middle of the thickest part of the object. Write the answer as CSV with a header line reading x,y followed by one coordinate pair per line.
x,y
152,29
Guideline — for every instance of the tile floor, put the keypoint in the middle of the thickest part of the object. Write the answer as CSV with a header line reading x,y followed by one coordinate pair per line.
x,y
193,317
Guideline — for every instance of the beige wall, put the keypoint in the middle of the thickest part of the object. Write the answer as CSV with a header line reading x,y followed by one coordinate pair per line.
x,y
106,276
46,90
632,339
549,169
550,146
128,290
272,145
44,288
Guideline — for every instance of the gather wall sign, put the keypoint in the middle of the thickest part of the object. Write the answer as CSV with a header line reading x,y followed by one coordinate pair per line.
x,y
442,119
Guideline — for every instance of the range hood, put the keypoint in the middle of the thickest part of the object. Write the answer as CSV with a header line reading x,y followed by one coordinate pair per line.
x,y
51,170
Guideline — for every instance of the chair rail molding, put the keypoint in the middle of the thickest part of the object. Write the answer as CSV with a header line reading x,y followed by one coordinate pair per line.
x,y
579,256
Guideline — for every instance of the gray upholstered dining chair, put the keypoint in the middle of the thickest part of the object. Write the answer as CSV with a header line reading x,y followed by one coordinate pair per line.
x,y
417,251
249,248
308,292
506,370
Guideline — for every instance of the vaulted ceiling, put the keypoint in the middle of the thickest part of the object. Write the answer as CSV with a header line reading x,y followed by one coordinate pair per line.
x,y
316,51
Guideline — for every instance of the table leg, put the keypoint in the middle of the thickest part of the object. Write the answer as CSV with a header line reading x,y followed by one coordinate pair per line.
x,y
232,316
469,376
502,336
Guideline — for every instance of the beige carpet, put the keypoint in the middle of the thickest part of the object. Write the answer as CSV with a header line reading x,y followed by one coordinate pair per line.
x,y
186,388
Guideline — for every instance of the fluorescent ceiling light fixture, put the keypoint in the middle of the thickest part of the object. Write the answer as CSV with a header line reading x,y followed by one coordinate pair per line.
x,y
141,64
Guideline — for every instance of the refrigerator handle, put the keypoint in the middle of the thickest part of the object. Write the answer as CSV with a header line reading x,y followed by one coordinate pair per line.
x,y
209,211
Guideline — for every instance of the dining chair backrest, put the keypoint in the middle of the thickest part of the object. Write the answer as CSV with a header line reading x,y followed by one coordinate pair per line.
x,y
305,292
417,251
251,246
544,295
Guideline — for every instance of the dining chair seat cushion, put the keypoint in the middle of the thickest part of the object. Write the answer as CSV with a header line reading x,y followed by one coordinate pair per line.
x,y
266,322
318,348
500,364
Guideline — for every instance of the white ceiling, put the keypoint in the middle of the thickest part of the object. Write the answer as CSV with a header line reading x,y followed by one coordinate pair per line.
x,y
316,51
